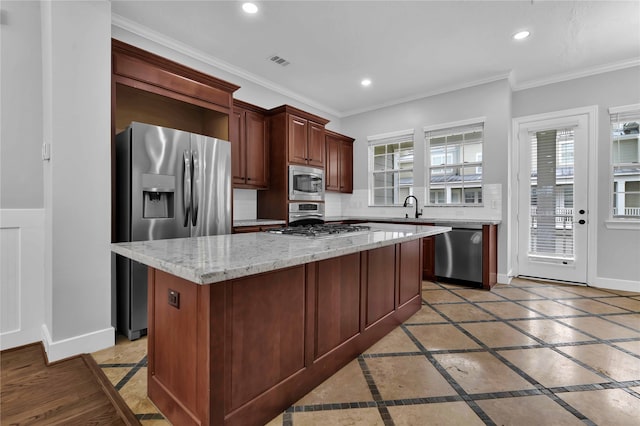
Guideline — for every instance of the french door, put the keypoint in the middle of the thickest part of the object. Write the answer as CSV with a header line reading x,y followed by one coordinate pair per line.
x,y
553,198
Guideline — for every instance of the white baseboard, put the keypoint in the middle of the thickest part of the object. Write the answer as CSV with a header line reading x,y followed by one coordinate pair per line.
x,y
85,343
504,279
615,284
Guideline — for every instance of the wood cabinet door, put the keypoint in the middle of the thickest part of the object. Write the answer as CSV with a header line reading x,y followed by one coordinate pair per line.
x,y
297,135
315,148
264,332
332,164
428,258
381,274
410,271
346,167
237,139
257,150
337,290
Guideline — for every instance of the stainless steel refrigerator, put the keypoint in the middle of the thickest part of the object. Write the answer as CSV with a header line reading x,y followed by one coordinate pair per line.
x,y
169,184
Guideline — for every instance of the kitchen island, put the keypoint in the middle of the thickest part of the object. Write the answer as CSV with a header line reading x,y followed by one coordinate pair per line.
x,y
241,326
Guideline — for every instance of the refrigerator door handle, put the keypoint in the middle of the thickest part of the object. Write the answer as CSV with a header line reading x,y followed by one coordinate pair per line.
x,y
196,188
186,186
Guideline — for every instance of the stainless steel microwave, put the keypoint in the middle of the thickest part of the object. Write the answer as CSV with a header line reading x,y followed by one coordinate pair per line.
x,y
306,183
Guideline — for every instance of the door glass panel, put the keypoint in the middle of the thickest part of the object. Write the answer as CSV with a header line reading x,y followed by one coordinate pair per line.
x,y
551,232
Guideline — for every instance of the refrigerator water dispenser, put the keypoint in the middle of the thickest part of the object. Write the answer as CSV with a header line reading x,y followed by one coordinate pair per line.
x,y
158,191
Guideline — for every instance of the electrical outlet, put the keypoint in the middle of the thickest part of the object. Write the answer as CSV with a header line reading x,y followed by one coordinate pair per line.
x,y
174,299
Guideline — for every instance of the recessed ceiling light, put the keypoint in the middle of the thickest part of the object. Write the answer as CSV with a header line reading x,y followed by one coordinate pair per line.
x,y
250,7
521,35
365,82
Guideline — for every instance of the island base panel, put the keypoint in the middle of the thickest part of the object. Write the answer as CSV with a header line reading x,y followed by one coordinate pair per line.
x,y
198,350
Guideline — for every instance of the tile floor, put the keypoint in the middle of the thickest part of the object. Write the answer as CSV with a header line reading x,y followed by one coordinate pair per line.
x,y
529,353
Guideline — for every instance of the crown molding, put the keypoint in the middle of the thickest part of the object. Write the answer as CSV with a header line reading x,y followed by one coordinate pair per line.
x,y
184,49
428,94
558,78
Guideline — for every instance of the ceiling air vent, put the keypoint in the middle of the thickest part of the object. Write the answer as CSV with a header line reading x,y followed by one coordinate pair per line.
x,y
278,60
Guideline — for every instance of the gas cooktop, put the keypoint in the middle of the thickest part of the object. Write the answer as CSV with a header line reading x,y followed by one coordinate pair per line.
x,y
320,230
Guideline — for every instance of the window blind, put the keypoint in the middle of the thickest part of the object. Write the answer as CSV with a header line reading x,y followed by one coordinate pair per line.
x,y
551,217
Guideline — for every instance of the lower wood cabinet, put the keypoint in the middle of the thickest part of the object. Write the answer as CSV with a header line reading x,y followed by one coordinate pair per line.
x,y
242,351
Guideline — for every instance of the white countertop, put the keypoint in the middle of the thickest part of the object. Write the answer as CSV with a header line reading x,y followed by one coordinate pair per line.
x,y
207,260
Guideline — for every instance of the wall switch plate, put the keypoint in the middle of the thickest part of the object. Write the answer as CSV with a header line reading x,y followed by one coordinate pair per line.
x,y
174,299
46,151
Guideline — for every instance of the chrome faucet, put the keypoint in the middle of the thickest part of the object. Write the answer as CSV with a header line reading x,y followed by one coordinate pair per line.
x,y
418,214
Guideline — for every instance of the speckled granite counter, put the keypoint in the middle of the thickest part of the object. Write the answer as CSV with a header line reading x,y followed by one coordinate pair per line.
x,y
425,220
207,260
258,222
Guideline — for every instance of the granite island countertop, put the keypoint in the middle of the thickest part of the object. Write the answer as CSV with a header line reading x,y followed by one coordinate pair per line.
x,y
207,260
426,220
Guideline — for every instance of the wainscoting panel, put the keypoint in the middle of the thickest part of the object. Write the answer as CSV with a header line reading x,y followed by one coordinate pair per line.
x,y
21,276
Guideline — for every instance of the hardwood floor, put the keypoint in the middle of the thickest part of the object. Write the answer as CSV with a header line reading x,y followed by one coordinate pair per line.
x,y
70,392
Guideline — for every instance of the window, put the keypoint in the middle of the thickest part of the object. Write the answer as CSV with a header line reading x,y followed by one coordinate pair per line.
x,y
390,168
454,154
625,157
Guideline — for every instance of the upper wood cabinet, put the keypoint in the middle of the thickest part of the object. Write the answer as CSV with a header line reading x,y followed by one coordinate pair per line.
x,y
154,90
339,162
304,135
249,136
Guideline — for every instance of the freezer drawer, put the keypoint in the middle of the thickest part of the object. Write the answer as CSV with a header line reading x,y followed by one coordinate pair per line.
x,y
459,255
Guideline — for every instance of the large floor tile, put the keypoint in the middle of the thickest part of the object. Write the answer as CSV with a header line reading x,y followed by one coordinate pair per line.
x,y
478,295
459,312
440,296
516,294
553,292
587,291
550,368
347,385
551,308
528,411
395,342
606,360
498,335
600,328
593,306
425,315
442,337
123,352
407,377
115,374
508,310
350,417
445,413
605,407
628,320
134,393
481,372
632,346
623,302
551,331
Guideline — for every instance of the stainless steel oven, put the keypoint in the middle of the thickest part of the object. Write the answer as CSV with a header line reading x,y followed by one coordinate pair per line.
x,y
306,213
306,183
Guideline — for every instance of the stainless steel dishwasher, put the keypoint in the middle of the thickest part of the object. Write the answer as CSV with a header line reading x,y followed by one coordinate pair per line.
x,y
458,254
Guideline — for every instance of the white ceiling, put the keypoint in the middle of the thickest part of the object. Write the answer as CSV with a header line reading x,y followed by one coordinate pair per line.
x,y
409,49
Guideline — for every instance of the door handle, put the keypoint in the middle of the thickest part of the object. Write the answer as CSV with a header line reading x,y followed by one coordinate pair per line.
x,y
582,221
195,192
186,186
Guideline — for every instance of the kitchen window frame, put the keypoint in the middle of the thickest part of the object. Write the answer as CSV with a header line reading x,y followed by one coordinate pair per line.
x,y
478,121
385,139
